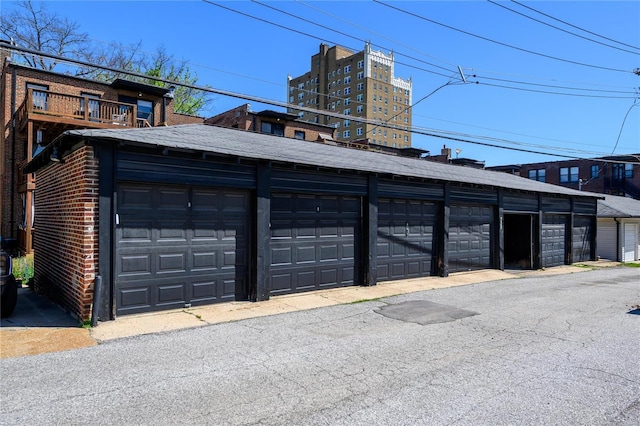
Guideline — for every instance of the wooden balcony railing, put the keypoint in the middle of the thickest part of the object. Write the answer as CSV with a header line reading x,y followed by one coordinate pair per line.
x,y
70,109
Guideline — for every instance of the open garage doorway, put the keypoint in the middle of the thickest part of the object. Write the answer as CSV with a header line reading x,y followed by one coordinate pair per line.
x,y
518,241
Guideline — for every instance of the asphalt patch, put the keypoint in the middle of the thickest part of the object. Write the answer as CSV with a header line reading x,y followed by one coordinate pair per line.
x,y
423,312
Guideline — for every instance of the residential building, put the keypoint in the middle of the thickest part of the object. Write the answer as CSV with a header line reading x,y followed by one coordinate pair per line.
x,y
38,105
273,123
199,214
615,174
362,87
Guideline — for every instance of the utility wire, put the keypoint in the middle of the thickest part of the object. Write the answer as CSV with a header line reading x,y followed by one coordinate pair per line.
x,y
560,29
553,93
550,85
499,42
400,54
430,132
321,38
337,17
622,126
573,26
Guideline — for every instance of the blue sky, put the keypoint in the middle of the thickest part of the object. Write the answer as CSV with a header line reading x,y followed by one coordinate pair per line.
x,y
234,52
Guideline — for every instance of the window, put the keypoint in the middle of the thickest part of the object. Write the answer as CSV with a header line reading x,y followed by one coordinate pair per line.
x,y
360,108
346,134
406,139
272,128
347,80
347,111
360,64
375,98
360,75
299,134
145,108
346,123
539,175
360,98
621,171
595,171
94,105
347,69
360,86
39,95
359,131
347,90
347,101
300,86
300,96
568,174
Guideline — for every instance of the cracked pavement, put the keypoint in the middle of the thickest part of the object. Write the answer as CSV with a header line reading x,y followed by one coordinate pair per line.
x,y
539,350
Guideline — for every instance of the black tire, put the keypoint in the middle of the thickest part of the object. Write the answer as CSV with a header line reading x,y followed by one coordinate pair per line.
x,y
8,297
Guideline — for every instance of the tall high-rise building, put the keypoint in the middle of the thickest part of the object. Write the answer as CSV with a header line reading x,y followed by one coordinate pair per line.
x,y
357,84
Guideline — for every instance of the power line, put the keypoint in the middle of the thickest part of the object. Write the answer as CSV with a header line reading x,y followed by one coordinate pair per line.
x,y
499,42
397,53
554,93
573,26
551,85
622,125
337,17
560,29
430,132
322,38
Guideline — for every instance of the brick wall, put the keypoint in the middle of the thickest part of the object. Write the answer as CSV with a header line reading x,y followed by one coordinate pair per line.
x,y
66,232
174,119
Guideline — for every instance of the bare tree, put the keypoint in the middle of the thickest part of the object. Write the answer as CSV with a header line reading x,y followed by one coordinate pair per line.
x,y
36,28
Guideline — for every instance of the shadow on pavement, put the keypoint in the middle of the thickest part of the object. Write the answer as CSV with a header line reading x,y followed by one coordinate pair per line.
x,y
33,310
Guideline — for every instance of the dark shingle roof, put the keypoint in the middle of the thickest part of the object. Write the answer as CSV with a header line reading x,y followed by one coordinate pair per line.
x,y
614,206
257,146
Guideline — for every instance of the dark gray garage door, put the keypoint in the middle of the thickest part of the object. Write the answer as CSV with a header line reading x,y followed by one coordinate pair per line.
x,y
314,242
177,245
582,229
470,237
554,240
405,246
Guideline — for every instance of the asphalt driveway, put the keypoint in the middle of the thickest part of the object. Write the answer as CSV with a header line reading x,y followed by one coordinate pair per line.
x,y
559,349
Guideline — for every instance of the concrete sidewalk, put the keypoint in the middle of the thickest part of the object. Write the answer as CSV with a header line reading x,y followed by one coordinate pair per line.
x,y
39,326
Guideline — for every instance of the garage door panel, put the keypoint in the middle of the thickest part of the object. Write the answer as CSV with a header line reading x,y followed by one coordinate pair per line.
x,y
470,237
138,298
313,238
172,254
305,254
172,263
203,290
137,231
204,261
581,238
405,238
554,231
170,294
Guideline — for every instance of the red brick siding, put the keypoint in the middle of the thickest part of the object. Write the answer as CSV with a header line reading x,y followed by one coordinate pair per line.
x,y
66,232
68,85
174,119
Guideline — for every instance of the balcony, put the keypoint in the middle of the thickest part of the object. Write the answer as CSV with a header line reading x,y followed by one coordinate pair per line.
x,y
68,111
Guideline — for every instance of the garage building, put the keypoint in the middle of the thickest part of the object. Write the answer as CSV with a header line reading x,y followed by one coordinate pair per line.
x,y
168,217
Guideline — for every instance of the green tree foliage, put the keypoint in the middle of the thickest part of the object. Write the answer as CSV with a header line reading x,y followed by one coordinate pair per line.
x,y
187,100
